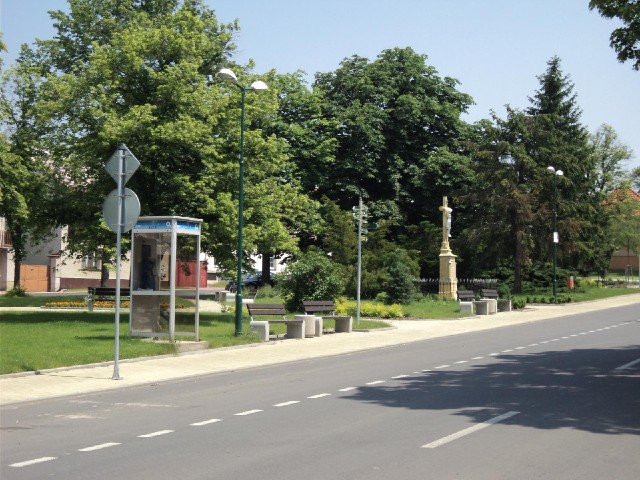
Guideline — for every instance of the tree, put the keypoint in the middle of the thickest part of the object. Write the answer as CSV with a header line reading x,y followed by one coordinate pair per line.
x,y
31,195
624,40
399,143
510,204
135,72
609,155
312,277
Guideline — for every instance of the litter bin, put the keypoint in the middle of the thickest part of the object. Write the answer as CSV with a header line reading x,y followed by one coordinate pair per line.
x,y
570,283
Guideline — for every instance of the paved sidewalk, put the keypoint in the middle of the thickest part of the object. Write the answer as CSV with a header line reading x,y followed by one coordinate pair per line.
x,y
95,378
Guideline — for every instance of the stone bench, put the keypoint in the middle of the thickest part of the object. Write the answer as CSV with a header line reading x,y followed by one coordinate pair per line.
x,y
295,327
343,323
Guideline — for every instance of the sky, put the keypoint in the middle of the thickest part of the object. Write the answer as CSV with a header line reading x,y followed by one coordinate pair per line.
x,y
496,49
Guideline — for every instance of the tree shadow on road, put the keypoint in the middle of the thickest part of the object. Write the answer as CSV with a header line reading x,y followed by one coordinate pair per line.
x,y
579,389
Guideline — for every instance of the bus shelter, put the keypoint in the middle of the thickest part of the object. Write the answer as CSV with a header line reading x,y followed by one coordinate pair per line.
x,y
166,275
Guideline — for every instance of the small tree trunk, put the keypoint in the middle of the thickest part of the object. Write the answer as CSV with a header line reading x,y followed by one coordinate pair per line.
x,y
104,270
266,268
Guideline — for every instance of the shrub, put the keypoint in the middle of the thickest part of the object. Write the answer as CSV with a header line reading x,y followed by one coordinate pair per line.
x,y
368,309
519,303
312,277
17,291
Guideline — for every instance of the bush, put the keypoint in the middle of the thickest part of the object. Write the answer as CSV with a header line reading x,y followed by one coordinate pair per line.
x,y
368,309
17,291
312,277
519,303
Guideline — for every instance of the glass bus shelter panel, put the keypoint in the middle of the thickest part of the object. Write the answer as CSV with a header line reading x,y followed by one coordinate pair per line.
x,y
152,252
187,271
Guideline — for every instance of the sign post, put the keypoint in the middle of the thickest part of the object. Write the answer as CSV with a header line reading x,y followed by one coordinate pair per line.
x,y
121,166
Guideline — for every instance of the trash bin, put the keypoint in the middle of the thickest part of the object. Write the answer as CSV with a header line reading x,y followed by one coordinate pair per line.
x,y
570,283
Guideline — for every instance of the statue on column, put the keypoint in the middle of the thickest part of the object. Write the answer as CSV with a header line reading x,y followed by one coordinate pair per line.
x,y
446,223
448,277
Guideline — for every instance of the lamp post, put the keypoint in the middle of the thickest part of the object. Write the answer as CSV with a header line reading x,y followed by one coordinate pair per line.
x,y
556,174
228,76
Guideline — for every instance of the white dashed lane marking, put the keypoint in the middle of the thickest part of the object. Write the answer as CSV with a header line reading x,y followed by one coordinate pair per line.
x,y
467,431
375,382
320,395
347,389
98,447
155,434
205,422
286,404
248,412
33,462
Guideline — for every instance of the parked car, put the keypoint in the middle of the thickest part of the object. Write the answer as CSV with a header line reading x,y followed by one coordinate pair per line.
x,y
252,281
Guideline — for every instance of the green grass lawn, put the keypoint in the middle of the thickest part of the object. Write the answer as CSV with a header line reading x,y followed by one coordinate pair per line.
x,y
38,340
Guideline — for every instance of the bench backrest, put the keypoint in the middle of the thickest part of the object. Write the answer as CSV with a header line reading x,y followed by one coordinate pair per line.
x,y
256,309
489,293
313,306
466,295
107,291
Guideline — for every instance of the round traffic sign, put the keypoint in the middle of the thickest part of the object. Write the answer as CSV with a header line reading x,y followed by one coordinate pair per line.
x,y
130,210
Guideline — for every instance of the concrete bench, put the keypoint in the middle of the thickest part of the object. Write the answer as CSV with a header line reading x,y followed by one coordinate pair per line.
x,y
295,327
502,304
466,298
343,323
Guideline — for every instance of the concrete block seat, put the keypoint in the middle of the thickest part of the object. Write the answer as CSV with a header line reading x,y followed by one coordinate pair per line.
x,y
344,323
295,327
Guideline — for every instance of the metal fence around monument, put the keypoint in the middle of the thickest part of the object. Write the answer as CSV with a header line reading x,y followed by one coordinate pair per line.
x,y
431,286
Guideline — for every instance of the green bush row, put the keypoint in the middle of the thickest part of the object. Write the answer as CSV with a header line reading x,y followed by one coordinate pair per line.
x,y
368,309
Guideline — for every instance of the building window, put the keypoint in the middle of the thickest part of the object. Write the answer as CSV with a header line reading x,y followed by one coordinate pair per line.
x,y
90,262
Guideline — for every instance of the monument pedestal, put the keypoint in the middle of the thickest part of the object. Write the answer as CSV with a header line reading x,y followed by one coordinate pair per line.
x,y
448,280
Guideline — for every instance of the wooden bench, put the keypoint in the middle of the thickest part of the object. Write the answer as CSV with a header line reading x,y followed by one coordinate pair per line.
x,y
502,305
104,293
343,324
295,327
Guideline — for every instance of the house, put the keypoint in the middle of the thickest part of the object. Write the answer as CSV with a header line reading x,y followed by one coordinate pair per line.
x,y
626,260
48,269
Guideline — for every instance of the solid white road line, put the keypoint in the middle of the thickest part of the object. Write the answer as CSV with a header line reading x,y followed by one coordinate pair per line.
x,y
98,447
467,431
285,404
155,434
247,412
628,365
33,462
205,422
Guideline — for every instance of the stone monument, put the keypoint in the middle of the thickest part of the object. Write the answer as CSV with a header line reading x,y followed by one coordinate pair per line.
x,y
448,279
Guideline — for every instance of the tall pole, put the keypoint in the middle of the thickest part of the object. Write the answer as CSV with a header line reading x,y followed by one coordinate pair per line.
x,y
228,76
555,173
555,234
359,260
121,216
240,219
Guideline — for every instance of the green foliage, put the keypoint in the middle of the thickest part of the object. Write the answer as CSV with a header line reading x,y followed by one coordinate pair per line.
x,y
312,277
369,309
17,291
625,39
518,303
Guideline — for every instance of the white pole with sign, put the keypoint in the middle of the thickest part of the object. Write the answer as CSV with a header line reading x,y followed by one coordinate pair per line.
x,y
121,210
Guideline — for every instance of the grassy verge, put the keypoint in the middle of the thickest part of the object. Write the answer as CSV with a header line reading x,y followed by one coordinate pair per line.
x,y
50,339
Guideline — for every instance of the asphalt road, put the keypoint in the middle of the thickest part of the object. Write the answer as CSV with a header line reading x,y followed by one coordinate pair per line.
x,y
556,399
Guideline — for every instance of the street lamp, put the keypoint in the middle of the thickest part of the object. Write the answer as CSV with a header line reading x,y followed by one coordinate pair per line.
x,y
556,174
228,76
